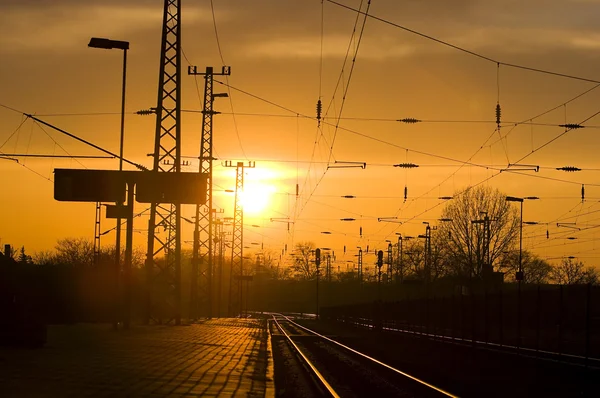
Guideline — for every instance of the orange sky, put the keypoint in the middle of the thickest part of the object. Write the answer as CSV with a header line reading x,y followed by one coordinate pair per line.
x,y
274,49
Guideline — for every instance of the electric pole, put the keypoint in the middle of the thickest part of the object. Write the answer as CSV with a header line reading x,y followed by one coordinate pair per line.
x,y
237,242
97,233
360,265
317,265
202,255
163,278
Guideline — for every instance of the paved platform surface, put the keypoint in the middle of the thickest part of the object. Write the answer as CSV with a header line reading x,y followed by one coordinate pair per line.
x,y
219,357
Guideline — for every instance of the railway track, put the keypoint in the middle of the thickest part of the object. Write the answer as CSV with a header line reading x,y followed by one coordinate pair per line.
x,y
336,370
545,355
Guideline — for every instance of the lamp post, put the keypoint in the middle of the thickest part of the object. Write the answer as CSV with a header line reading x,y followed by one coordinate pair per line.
x,y
400,258
427,252
360,268
519,274
107,44
389,261
317,265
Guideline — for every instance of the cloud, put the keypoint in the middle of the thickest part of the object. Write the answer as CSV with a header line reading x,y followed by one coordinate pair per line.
x,y
333,47
62,27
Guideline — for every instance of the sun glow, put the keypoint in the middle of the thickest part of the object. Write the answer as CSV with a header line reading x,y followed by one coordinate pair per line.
x,y
256,198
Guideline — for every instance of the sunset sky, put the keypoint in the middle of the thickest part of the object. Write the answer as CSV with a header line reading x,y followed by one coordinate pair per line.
x,y
284,56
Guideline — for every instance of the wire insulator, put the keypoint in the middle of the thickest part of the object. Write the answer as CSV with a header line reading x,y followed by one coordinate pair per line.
x,y
146,111
348,196
582,193
360,230
498,113
406,165
409,120
569,168
319,109
571,126
344,249
405,193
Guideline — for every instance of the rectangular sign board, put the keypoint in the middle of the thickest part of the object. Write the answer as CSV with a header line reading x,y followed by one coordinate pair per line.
x,y
75,185
182,188
114,211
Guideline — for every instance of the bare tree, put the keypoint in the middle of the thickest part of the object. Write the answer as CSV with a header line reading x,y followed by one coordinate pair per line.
x,y
413,260
303,266
466,242
75,251
570,272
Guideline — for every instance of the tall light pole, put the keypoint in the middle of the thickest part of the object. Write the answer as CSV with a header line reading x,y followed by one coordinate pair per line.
x,y
107,44
389,261
400,258
519,274
427,252
317,265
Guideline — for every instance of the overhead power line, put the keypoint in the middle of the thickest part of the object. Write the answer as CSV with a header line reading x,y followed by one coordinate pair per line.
x,y
462,49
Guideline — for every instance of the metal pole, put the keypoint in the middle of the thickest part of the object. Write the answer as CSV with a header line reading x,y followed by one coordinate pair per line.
x,y
118,232
399,273
128,256
521,246
123,109
317,264
519,282
588,304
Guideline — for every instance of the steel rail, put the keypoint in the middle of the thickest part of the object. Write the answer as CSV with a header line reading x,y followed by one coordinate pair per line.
x,y
498,347
315,371
424,383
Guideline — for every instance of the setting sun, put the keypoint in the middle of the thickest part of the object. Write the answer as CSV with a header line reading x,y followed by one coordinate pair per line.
x,y
256,197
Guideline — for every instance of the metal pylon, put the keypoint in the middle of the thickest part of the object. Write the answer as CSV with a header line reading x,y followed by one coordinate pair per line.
x,y
97,233
163,266
203,252
237,243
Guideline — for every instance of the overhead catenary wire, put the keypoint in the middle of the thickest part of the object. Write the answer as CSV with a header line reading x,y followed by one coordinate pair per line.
x,y
462,49
460,163
138,166
233,116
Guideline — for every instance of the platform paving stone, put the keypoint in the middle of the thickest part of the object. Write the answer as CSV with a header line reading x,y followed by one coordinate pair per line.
x,y
216,358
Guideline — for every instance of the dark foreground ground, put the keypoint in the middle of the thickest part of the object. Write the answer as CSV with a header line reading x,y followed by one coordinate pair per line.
x,y
466,371
220,357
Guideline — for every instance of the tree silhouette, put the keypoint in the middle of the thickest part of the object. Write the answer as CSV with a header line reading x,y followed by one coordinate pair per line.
x,y
303,266
466,243
571,272
24,258
535,270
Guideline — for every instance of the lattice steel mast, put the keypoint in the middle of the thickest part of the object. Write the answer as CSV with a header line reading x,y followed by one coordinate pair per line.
x,y
237,241
203,251
97,233
163,277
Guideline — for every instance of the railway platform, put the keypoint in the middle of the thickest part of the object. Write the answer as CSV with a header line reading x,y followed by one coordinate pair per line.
x,y
219,357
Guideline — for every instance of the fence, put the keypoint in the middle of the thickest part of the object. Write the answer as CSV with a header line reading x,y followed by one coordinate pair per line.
x,y
564,320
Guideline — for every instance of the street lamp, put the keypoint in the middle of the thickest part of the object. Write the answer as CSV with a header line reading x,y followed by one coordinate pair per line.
x,y
400,259
317,265
107,44
519,275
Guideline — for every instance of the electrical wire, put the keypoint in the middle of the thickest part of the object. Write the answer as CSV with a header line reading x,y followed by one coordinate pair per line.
x,y
473,53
